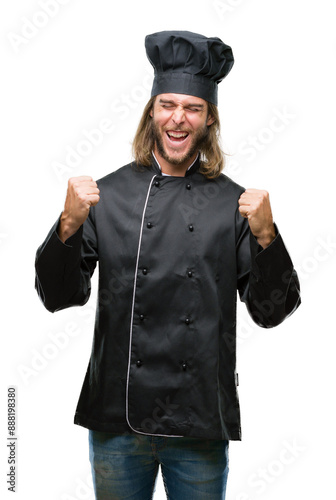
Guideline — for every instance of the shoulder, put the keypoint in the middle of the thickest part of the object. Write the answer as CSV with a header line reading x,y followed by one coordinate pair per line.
x,y
224,179
122,175
118,173
225,182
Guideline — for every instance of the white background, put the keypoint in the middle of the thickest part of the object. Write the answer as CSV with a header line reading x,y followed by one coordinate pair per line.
x,y
85,63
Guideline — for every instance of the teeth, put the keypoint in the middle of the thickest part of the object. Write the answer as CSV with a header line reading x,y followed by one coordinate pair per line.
x,y
178,135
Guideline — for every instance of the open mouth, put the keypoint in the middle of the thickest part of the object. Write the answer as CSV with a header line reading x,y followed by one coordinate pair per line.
x,y
177,137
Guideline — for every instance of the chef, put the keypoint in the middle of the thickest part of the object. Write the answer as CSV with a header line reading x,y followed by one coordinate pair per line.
x,y
174,239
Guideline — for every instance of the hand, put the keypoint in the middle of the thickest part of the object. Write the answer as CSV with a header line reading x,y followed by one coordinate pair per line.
x,y
255,206
82,194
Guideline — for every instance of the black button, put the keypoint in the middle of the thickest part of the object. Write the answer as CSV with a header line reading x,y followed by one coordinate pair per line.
x,y
144,271
184,366
142,317
187,321
190,274
139,362
188,186
157,184
149,224
191,227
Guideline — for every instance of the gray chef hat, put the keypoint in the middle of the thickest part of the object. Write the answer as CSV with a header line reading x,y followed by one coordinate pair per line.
x,y
188,63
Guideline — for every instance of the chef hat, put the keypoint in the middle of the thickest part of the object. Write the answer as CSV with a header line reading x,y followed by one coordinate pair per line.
x,y
188,63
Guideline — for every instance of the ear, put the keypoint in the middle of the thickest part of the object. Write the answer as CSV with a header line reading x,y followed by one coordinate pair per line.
x,y
210,120
151,113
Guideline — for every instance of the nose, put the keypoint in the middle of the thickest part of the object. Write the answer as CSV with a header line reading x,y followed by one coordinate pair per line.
x,y
178,115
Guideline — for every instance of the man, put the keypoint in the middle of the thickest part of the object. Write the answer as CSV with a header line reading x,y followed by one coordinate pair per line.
x,y
175,239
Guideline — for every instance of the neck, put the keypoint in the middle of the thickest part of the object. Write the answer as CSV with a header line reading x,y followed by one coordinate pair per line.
x,y
171,169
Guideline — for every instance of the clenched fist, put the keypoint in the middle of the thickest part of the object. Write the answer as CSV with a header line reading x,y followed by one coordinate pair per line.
x,y
82,194
254,204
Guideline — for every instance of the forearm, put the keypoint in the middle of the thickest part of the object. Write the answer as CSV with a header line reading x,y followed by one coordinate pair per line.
x,y
274,290
66,227
266,238
59,281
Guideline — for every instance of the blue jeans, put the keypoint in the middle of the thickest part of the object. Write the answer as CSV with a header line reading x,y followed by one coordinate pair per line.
x,y
126,466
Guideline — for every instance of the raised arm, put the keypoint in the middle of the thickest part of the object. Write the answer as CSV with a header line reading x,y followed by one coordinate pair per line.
x,y
267,280
67,258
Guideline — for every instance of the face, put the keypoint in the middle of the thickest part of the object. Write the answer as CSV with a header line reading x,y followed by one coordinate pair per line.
x,y
180,124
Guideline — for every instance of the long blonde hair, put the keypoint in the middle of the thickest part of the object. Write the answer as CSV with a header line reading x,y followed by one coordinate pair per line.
x,y
212,156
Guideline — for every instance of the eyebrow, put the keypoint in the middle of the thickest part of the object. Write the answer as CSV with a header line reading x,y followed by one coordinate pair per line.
x,y
193,105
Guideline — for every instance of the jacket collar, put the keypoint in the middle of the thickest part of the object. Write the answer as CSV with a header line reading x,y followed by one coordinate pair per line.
x,y
191,170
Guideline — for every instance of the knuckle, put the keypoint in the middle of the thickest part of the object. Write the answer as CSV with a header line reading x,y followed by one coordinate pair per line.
x,y
81,197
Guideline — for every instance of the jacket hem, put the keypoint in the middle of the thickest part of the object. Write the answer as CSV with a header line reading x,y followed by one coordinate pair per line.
x,y
124,428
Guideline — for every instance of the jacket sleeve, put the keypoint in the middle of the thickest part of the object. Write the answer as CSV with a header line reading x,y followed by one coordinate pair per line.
x,y
64,270
267,280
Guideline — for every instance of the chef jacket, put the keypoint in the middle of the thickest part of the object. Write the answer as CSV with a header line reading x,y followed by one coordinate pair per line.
x,y
172,253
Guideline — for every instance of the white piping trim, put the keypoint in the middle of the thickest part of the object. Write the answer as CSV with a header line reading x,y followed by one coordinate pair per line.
x,y
132,315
